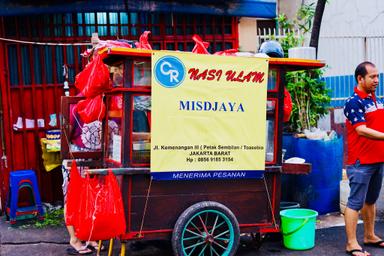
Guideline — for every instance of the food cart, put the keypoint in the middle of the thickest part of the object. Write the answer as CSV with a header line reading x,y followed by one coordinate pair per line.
x,y
202,212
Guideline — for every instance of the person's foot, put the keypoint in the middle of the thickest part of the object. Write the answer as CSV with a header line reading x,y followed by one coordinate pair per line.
x,y
77,247
357,252
94,246
355,249
374,241
73,251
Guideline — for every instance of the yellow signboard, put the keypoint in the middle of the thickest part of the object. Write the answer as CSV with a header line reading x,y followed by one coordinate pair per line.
x,y
208,116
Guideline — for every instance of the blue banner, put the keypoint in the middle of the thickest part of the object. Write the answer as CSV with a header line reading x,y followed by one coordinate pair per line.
x,y
208,175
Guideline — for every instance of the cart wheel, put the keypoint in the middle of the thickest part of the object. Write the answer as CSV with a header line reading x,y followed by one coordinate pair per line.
x,y
206,228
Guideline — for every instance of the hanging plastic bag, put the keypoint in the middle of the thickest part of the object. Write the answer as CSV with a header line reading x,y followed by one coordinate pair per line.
x,y
94,79
72,199
81,79
100,209
92,109
287,105
200,46
143,41
91,135
98,80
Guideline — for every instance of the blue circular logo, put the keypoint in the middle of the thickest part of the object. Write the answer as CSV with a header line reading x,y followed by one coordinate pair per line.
x,y
169,71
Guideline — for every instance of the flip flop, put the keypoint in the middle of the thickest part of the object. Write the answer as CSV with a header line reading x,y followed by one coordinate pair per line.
x,y
378,244
73,251
352,252
96,247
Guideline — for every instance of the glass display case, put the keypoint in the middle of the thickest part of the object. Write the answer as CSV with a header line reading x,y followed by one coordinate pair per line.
x,y
137,131
273,103
128,134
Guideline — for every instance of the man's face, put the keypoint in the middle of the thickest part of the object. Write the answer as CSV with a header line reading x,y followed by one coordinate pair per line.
x,y
370,81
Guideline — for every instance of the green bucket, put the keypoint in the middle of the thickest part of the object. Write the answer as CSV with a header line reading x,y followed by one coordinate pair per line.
x,y
298,228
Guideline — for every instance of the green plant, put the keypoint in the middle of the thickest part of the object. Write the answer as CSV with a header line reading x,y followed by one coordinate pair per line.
x,y
309,94
297,29
310,98
52,218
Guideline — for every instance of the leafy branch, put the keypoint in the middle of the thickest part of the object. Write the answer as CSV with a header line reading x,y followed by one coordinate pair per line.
x,y
308,91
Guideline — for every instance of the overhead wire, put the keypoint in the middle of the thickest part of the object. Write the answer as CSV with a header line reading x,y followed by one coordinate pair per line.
x,y
42,43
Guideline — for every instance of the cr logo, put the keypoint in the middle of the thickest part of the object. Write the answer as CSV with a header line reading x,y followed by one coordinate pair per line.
x,y
169,71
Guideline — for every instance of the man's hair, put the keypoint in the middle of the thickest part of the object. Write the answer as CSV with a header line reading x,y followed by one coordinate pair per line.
x,y
361,69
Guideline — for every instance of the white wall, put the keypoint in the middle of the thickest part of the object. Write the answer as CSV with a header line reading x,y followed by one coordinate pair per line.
x,y
247,35
353,18
289,7
351,32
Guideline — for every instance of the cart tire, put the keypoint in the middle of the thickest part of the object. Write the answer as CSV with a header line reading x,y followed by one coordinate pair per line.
x,y
206,228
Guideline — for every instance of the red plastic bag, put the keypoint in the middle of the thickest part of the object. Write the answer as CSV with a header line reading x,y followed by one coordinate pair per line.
x,y
94,79
101,211
114,43
90,110
143,41
72,200
116,102
228,52
81,79
200,46
287,105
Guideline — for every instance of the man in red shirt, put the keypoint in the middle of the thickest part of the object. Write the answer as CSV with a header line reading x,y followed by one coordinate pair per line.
x,y
365,135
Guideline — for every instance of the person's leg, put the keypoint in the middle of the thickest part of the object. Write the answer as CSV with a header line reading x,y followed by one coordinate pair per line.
x,y
73,240
77,246
369,210
351,217
75,243
369,216
358,182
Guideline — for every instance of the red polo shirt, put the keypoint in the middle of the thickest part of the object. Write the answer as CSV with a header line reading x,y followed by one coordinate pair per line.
x,y
360,109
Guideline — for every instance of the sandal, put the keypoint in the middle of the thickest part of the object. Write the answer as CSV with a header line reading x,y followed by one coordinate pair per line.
x,y
83,251
353,251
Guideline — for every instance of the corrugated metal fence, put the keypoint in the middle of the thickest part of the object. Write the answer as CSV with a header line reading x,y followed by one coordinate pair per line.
x,y
342,54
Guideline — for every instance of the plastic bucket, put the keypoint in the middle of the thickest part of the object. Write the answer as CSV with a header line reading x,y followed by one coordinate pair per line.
x,y
298,228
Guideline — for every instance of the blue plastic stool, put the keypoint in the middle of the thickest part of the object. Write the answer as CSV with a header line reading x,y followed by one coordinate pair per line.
x,y
17,181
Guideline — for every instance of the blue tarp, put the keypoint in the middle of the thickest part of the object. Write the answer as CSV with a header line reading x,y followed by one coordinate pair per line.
x,y
246,8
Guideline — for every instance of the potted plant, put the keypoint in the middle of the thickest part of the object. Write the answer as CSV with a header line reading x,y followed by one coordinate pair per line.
x,y
309,94
310,97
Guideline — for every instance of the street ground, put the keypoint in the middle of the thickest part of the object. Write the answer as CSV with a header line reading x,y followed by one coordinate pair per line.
x,y
330,239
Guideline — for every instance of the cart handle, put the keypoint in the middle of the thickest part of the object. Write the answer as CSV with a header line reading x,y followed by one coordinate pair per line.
x,y
119,171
